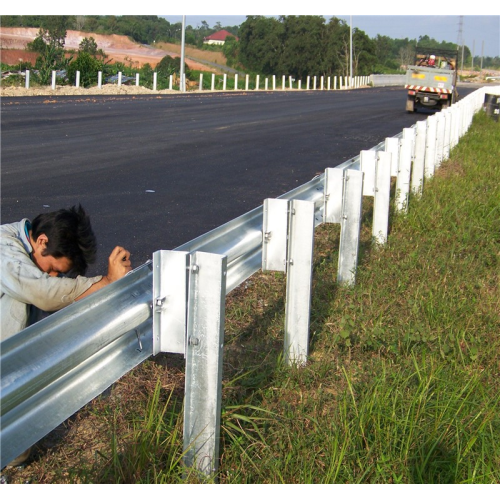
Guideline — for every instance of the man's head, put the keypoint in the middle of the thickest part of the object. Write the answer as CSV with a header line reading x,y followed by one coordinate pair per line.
x,y
63,241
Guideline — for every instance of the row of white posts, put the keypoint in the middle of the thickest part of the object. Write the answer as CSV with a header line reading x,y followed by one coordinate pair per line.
x,y
287,246
335,83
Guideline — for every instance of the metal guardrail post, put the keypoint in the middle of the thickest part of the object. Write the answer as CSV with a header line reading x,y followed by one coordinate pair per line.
x,y
299,281
287,246
440,138
274,234
332,196
404,174
170,285
392,146
417,176
382,198
350,226
204,349
430,147
368,160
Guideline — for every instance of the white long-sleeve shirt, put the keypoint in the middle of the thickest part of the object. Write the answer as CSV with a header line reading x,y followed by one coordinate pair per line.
x,y
22,284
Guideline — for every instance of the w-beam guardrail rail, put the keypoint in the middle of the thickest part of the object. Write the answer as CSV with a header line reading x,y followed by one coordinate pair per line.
x,y
175,303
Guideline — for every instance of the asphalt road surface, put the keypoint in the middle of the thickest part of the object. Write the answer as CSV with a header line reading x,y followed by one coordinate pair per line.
x,y
156,171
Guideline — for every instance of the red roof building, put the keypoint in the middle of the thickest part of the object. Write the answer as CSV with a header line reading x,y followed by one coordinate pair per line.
x,y
218,38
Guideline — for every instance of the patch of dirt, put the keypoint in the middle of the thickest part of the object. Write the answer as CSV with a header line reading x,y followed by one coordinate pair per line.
x,y
108,89
119,48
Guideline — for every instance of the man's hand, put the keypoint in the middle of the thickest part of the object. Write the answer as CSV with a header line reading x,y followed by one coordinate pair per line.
x,y
118,264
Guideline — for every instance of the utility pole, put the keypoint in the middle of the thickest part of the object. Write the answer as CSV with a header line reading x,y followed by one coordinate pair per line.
x,y
350,55
182,74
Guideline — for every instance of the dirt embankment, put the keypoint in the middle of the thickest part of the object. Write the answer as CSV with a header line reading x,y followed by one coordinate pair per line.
x,y
119,48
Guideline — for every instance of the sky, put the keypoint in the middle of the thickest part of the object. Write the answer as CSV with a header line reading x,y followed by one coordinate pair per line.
x,y
392,18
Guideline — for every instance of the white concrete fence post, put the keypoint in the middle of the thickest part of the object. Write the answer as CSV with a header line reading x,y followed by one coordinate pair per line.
x,y
213,82
225,82
27,79
236,81
257,82
77,79
99,80
53,80
246,82
155,80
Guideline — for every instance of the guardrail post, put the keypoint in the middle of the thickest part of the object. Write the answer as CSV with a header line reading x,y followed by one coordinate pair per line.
x,y
447,134
170,286
287,246
404,173
236,81
99,79
439,138
77,79
257,82
299,281
350,226
430,147
155,80
307,82
204,350
246,82
201,82
213,82
417,176
225,82
392,146
119,78
53,80
27,79
333,194
274,82
382,198
367,162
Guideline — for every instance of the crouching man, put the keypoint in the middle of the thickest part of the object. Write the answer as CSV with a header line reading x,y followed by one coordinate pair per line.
x,y
43,263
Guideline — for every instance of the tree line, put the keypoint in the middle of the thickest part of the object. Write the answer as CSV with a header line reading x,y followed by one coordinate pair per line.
x,y
293,45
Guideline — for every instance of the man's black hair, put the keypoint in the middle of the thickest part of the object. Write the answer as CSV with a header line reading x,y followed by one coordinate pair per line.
x,y
69,235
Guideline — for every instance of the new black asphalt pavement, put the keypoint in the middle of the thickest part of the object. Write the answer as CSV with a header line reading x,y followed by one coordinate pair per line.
x,y
155,171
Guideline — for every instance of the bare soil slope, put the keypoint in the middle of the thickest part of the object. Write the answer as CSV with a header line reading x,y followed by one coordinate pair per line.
x,y
119,48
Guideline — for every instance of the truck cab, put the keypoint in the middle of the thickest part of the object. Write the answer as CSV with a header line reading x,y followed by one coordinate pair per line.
x,y
432,81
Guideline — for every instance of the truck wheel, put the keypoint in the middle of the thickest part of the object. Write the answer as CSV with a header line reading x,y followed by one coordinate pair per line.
x,y
410,105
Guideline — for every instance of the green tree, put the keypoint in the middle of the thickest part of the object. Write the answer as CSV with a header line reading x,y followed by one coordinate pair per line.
x,y
89,68
49,43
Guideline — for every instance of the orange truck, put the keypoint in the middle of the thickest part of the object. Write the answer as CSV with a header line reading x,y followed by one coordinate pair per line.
x,y
432,81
